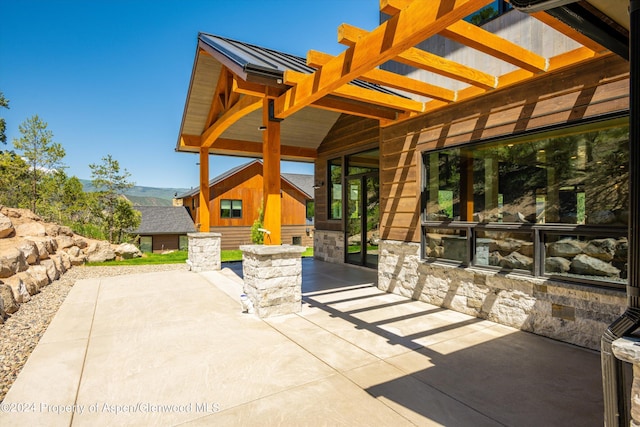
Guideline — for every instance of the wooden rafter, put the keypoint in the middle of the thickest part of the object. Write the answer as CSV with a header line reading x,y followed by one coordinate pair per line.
x,y
386,78
419,21
238,146
421,59
362,94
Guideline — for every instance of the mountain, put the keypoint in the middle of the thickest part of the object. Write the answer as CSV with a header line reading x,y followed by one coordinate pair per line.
x,y
144,196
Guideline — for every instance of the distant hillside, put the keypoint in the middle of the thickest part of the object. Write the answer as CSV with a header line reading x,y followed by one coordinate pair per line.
x,y
144,196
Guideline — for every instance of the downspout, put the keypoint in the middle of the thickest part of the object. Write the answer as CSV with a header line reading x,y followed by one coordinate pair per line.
x,y
616,410
616,404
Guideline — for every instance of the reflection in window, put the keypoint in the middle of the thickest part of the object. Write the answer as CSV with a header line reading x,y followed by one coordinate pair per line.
x,y
447,244
230,208
505,249
571,178
335,189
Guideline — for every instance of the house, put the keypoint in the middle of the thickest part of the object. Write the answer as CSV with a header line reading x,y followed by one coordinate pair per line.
x,y
236,200
163,228
482,169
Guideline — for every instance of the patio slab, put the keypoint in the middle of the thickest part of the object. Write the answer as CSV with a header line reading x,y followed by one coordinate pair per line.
x,y
174,348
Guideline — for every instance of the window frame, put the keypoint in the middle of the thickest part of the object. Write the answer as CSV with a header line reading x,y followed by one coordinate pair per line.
x,y
231,209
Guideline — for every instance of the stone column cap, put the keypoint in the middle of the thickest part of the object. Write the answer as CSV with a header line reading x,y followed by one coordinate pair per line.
x,y
627,349
204,235
273,249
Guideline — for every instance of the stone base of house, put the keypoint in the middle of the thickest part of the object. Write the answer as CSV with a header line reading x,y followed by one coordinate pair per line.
x,y
204,251
273,278
627,349
566,312
328,246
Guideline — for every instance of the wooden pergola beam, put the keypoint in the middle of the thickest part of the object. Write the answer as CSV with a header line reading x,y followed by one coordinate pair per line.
x,y
484,41
423,60
362,94
419,21
342,105
248,148
386,78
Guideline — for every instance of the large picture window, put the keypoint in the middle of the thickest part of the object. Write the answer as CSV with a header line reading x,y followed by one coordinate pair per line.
x,y
335,189
525,202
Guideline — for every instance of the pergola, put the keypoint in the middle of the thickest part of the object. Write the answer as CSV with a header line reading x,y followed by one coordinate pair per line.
x,y
230,100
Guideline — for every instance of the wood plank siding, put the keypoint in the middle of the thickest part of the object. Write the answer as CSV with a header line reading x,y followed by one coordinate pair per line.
x,y
233,237
349,135
584,92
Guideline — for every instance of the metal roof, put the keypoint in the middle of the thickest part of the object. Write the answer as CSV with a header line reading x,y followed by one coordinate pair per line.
x,y
269,63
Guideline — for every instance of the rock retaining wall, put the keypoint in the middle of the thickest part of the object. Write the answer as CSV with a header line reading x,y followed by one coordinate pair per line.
x,y
34,253
563,311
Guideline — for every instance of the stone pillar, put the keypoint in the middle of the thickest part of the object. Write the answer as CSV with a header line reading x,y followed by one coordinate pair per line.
x,y
627,349
273,278
204,251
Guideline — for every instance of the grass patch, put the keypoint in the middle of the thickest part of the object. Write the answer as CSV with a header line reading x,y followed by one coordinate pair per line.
x,y
178,257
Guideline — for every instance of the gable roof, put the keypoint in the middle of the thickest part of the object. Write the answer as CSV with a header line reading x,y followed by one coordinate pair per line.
x,y
303,183
164,220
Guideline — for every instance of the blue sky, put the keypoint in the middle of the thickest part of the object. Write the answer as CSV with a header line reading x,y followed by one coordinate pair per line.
x,y
111,76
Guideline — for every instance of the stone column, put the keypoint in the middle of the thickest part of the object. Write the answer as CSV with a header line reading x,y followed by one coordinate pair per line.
x,y
627,349
273,278
204,251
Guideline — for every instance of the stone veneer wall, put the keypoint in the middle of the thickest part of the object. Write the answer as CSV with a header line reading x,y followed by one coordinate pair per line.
x,y
204,251
328,246
566,312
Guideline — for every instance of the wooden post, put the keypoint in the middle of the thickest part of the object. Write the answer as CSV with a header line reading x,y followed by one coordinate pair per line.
x,y
271,178
204,213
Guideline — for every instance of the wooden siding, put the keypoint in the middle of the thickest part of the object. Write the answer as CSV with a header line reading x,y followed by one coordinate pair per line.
x,y
165,242
247,185
589,91
349,135
233,237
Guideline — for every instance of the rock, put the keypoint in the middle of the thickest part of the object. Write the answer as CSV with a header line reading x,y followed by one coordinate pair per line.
x,y
57,260
516,260
128,251
76,255
39,275
52,270
66,260
556,264
30,250
31,229
566,248
19,290
586,265
43,253
80,242
527,249
29,282
506,246
12,261
622,250
64,242
6,226
495,258
601,217
100,251
6,294
603,249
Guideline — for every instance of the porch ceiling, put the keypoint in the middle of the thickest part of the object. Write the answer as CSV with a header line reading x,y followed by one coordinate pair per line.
x,y
229,81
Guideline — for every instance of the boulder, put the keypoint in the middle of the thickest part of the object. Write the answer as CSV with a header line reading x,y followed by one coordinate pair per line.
x,y
64,242
128,251
603,249
39,275
28,281
30,250
556,264
601,217
506,246
12,261
9,301
566,248
59,263
52,270
18,288
80,242
516,260
6,226
66,260
622,250
76,255
100,251
590,266
31,229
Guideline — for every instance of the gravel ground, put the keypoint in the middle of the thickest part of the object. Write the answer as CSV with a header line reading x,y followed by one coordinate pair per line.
x,y
21,332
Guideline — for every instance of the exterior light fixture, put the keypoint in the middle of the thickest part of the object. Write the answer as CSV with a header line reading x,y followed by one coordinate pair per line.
x,y
262,128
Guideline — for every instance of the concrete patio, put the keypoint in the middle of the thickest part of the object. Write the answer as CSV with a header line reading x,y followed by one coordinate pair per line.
x,y
174,348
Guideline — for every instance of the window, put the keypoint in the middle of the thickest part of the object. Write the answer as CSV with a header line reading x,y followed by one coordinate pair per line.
x,y
551,203
310,211
230,208
335,189
146,244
